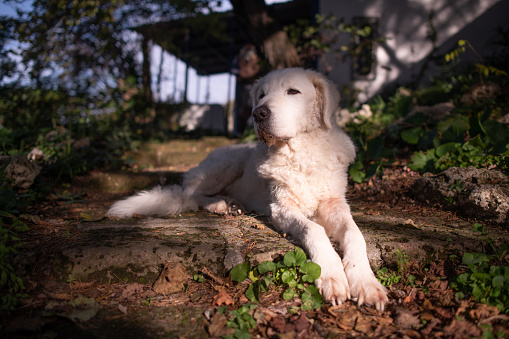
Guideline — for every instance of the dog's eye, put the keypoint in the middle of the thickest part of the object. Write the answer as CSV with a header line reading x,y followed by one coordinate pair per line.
x,y
292,91
261,96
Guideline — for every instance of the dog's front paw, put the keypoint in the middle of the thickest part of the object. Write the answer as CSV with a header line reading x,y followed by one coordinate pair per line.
x,y
333,286
366,289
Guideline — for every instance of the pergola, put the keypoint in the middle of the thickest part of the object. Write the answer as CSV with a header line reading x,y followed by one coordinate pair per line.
x,y
209,43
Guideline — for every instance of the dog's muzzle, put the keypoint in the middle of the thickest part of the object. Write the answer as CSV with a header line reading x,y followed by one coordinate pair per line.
x,y
261,116
262,125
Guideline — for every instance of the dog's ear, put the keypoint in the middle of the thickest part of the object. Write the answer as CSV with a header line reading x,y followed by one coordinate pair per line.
x,y
327,96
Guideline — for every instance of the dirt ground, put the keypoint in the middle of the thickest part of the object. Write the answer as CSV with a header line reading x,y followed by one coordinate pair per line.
x,y
422,307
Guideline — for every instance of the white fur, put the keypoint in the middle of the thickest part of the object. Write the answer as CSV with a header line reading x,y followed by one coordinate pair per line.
x,y
300,179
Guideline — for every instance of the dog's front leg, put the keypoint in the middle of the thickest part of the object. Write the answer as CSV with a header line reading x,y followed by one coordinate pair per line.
x,y
332,283
337,219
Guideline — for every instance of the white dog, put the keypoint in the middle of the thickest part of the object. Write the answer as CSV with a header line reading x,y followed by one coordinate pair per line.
x,y
298,177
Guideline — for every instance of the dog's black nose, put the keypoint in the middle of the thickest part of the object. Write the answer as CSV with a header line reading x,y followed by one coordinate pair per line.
x,y
261,113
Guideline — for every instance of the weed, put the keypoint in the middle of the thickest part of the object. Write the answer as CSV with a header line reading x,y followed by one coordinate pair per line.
x,y
242,321
295,274
198,278
483,279
148,301
388,278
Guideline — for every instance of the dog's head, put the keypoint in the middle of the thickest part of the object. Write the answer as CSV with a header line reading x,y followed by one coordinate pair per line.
x,y
290,101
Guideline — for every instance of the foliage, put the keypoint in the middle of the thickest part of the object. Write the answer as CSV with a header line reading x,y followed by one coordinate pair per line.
x,y
401,128
83,46
388,278
487,144
11,286
294,274
313,40
486,278
481,67
242,321
67,137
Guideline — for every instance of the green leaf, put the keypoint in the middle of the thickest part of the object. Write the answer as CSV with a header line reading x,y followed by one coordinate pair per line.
x,y
311,272
294,258
253,293
478,227
356,174
498,281
474,258
266,266
446,148
496,134
311,298
287,276
240,272
412,135
289,294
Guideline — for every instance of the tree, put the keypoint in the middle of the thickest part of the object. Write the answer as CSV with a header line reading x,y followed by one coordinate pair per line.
x,y
82,46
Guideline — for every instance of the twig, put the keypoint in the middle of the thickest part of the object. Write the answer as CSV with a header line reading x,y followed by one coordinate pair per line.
x,y
214,277
495,317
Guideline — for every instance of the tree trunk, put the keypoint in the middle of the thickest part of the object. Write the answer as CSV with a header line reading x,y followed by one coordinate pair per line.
x,y
267,33
146,76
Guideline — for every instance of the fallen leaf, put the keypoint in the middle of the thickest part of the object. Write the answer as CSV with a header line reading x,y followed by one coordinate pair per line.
x,y
462,329
217,326
172,279
440,285
427,306
131,290
122,309
430,326
444,313
279,325
365,325
222,298
483,311
301,323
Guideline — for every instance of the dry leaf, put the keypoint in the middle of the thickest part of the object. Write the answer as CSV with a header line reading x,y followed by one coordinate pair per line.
x,y
483,311
131,290
172,279
217,326
122,308
222,298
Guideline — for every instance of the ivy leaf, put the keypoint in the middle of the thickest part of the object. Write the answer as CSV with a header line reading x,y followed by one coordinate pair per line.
x,y
412,135
311,272
266,266
294,258
240,272
289,294
287,277
253,293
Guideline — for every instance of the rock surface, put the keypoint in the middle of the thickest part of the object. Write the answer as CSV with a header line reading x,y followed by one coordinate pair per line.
x,y
21,171
475,193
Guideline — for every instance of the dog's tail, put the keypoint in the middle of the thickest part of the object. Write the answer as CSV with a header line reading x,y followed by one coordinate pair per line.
x,y
159,201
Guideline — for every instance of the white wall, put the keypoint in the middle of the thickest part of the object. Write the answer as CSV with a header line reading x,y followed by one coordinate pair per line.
x,y
404,22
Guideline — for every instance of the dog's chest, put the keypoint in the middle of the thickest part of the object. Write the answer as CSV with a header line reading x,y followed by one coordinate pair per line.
x,y
305,178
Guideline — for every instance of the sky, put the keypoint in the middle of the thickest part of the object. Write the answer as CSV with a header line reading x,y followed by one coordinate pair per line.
x,y
201,89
